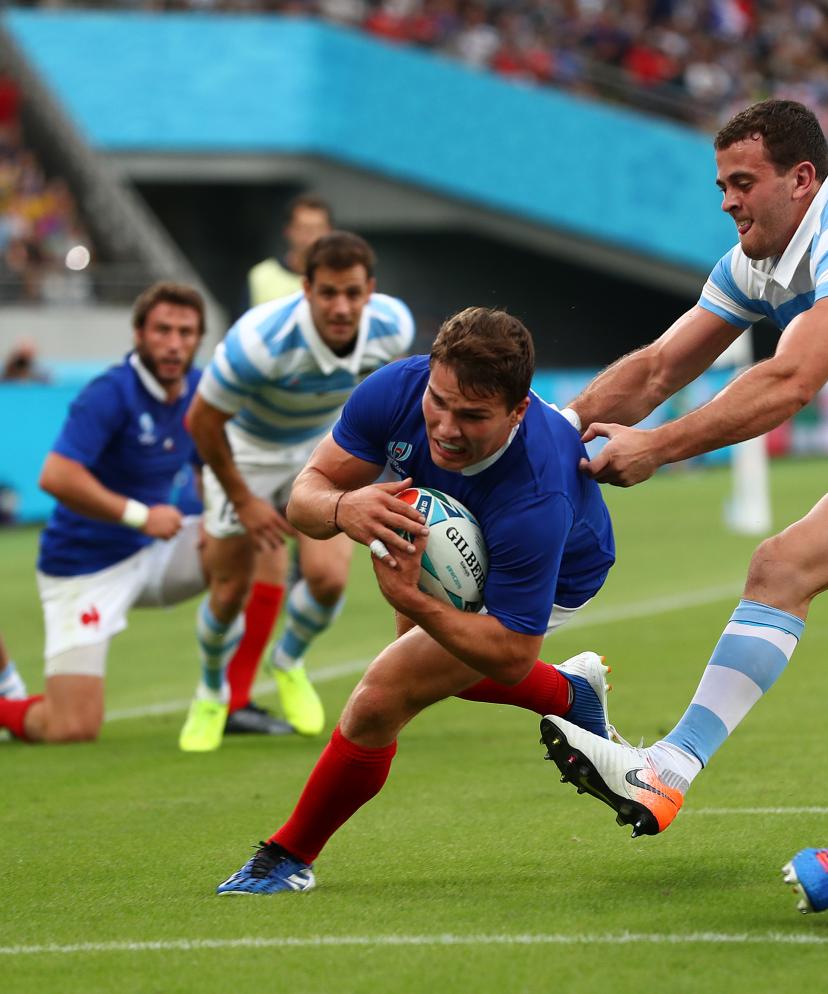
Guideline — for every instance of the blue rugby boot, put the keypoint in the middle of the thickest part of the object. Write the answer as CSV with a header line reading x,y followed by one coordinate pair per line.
x,y
587,675
808,872
268,871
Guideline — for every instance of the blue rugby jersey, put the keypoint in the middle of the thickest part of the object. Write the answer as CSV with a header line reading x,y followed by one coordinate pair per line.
x,y
282,383
120,428
546,527
743,290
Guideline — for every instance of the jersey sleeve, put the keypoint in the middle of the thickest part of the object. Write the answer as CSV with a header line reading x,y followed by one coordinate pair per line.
x,y
722,295
819,264
94,416
240,366
523,575
363,423
392,330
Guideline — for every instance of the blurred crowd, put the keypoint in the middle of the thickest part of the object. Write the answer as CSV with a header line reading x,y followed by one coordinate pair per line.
x,y
694,60
44,249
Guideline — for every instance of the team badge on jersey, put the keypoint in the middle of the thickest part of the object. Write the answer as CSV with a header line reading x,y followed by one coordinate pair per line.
x,y
399,451
147,425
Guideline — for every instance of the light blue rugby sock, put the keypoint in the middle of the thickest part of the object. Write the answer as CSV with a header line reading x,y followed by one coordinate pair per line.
x,y
754,649
217,642
306,619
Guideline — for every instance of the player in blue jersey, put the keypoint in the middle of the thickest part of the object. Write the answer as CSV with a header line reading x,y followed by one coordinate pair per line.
x,y
114,542
772,161
274,388
464,421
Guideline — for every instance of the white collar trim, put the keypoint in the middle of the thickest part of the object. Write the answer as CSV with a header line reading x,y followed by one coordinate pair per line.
x,y
150,383
478,467
325,357
783,272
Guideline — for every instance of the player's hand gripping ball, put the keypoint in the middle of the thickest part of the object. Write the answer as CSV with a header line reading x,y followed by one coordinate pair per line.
x,y
455,559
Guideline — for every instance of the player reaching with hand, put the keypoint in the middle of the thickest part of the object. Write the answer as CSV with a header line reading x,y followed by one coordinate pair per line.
x,y
772,161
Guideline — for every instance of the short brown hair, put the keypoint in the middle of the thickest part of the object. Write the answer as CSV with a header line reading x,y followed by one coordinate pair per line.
x,y
168,293
339,250
311,201
791,133
489,351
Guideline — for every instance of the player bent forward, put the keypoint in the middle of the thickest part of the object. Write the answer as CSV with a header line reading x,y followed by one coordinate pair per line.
x,y
113,542
471,428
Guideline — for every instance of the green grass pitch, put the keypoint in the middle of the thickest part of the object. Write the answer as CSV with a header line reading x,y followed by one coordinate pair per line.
x,y
474,870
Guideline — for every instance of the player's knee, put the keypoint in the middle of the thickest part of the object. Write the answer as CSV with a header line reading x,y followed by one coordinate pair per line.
x,y
326,588
72,728
227,595
371,710
774,571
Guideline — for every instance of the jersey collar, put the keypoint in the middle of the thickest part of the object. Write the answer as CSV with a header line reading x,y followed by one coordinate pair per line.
x,y
783,271
325,357
478,467
151,385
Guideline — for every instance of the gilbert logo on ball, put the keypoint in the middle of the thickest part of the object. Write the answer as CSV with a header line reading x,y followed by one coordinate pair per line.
x,y
455,560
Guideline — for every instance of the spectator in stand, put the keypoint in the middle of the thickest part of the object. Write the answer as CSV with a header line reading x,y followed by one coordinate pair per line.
x,y
21,365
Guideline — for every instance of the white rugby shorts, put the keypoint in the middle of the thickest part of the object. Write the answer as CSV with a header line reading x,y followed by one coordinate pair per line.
x,y
269,471
86,610
559,617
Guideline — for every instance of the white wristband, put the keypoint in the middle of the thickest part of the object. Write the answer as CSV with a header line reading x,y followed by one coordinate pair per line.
x,y
572,417
135,514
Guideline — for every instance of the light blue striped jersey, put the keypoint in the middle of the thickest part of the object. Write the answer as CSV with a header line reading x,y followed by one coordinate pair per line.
x,y
282,383
743,290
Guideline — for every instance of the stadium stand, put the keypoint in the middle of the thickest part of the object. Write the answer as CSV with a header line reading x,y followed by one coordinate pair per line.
x,y
44,247
694,62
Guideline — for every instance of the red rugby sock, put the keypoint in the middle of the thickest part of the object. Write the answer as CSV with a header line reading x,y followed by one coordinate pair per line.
x,y
345,777
13,714
544,690
259,618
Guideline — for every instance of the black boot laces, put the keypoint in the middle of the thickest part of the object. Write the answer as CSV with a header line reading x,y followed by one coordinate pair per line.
x,y
268,855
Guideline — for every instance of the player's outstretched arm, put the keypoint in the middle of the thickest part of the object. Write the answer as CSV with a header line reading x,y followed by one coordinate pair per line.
x,y
631,388
73,485
764,396
335,492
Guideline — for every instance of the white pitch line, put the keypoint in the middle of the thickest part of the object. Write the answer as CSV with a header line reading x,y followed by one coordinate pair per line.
x,y
590,617
655,605
327,941
323,675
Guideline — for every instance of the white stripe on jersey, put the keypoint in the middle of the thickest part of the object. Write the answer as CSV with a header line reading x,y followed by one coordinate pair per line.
x,y
282,382
743,290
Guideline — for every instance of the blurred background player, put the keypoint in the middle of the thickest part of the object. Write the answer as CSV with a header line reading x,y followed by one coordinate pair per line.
x,y
470,428
113,542
307,218
274,388
772,161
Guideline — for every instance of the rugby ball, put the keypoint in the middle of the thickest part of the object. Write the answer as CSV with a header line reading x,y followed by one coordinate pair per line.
x,y
455,559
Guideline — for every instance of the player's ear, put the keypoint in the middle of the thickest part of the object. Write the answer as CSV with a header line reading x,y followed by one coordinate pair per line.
x,y
520,410
306,286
